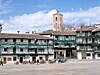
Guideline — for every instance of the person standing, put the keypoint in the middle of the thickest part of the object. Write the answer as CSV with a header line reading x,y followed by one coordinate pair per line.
x,y
37,61
1,62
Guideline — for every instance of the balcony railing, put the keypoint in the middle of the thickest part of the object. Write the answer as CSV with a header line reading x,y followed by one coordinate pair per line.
x,y
25,46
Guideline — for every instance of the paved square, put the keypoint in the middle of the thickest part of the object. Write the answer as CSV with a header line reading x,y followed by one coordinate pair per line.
x,y
69,68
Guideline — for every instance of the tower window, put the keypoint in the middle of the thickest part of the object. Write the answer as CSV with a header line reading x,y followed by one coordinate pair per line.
x,y
56,18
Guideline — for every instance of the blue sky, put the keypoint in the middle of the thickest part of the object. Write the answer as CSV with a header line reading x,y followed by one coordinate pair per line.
x,y
28,15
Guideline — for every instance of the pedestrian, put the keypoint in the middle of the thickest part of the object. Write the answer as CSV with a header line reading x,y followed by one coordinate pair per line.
x,y
37,61
1,62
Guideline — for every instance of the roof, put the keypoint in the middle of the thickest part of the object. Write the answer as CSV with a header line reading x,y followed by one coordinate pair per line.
x,y
21,36
47,32
67,32
96,30
86,28
58,13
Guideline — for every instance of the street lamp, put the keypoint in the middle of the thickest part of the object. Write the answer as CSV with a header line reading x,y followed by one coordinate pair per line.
x,y
0,28
0,39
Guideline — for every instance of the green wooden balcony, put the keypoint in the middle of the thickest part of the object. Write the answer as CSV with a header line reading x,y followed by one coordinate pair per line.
x,y
25,46
69,42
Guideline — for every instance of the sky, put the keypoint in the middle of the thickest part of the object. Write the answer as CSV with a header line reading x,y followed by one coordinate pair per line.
x,y
37,15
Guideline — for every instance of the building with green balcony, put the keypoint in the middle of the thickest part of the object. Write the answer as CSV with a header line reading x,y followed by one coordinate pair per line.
x,y
96,42
25,47
64,43
87,40
84,43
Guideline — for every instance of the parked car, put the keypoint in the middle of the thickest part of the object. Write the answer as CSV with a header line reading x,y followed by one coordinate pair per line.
x,y
62,60
52,61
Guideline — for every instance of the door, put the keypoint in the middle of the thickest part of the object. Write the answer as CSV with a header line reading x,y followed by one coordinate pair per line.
x,y
34,59
83,54
21,59
4,60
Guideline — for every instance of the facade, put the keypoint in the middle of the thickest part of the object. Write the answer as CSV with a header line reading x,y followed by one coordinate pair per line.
x,y
25,47
81,43
84,43
96,43
64,43
88,43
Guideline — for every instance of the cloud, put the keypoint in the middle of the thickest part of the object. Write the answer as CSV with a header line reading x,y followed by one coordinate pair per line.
x,y
4,6
43,20
28,22
87,16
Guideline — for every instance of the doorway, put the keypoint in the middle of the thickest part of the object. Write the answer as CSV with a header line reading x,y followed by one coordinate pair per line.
x,y
34,59
21,59
4,60
68,53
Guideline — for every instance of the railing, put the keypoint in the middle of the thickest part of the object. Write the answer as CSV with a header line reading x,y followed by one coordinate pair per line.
x,y
25,46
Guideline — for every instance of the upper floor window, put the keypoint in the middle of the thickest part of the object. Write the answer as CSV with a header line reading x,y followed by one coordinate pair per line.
x,y
40,50
21,40
66,36
14,40
44,40
29,40
5,49
21,50
56,37
6,40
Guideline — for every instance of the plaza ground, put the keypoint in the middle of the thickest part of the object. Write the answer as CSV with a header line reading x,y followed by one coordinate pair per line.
x,y
71,67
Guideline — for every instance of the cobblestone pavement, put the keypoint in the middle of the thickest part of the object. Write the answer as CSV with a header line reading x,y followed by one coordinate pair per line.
x,y
68,68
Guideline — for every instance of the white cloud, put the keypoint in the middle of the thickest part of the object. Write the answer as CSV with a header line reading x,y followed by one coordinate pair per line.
x,y
29,22
87,16
42,20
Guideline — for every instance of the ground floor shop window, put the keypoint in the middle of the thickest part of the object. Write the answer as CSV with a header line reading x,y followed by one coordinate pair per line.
x,y
9,59
98,55
88,54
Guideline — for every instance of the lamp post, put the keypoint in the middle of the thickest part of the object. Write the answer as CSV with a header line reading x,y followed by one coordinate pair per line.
x,y
0,39
0,28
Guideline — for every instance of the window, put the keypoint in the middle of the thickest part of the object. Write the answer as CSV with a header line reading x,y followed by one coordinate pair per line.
x,y
14,58
6,40
56,37
14,40
5,49
56,43
44,40
40,58
9,59
31,50
29,41
56,18
88,54
89,39
41,50
98,55
21,50
21,40
66,36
